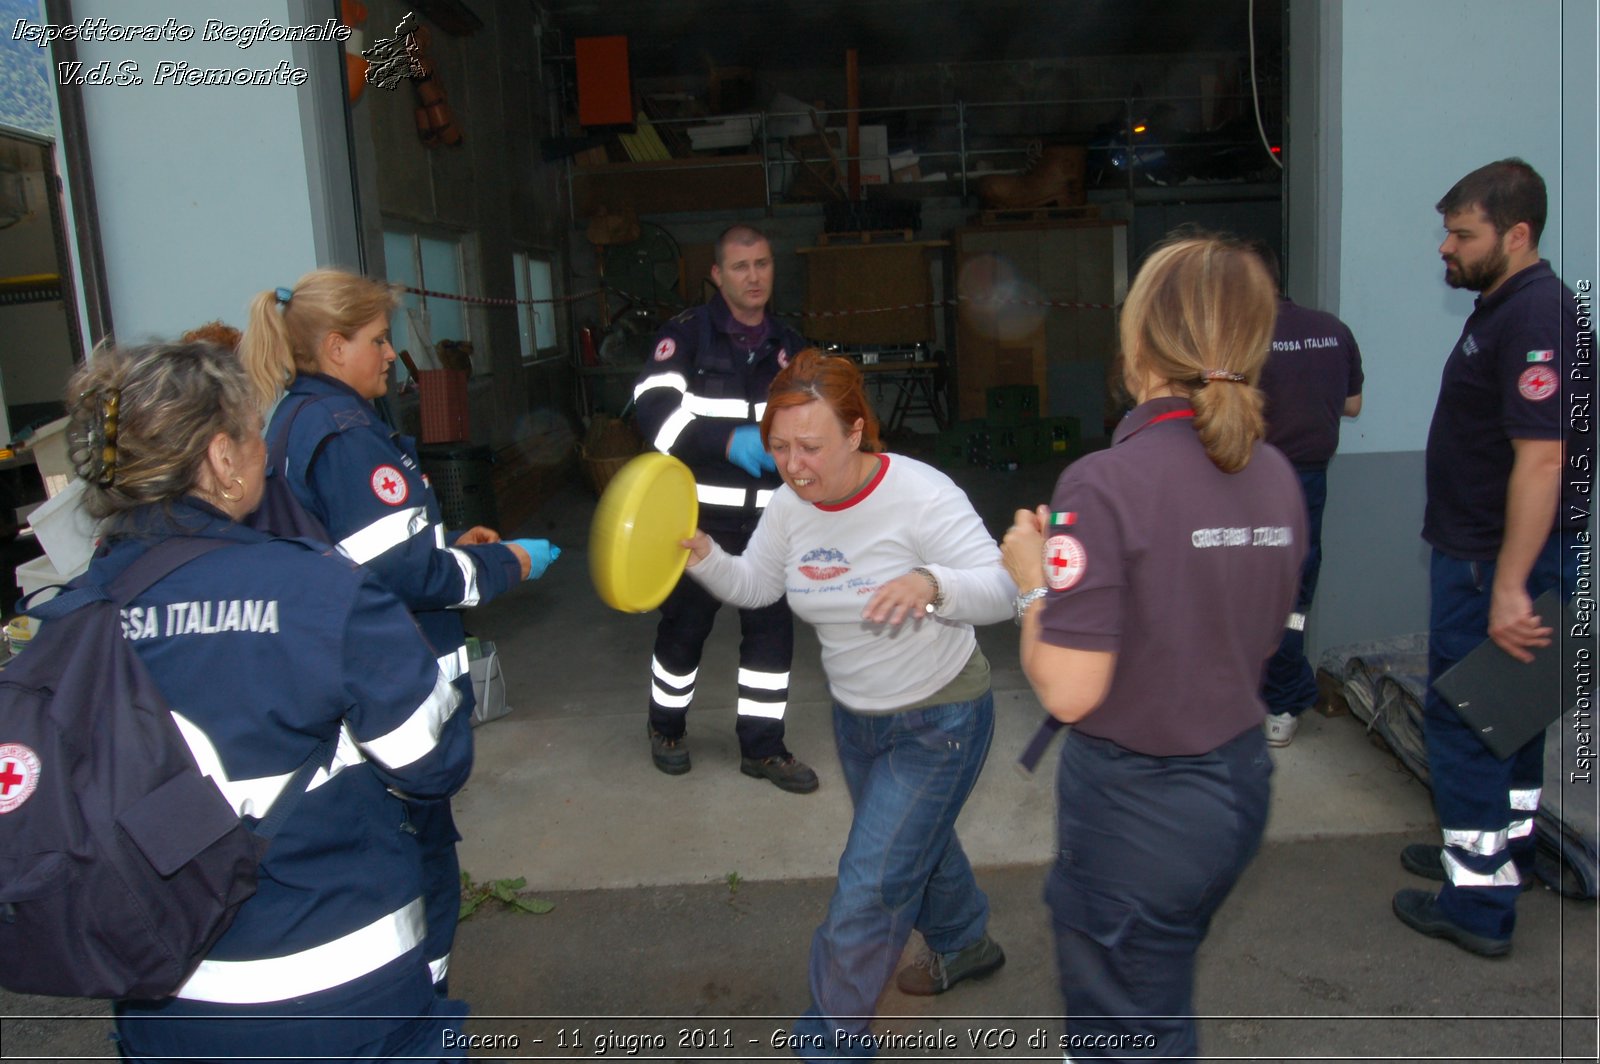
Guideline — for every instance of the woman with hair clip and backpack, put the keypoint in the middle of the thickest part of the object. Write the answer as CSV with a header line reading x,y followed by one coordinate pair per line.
x,y
270,652
323,346
1156,584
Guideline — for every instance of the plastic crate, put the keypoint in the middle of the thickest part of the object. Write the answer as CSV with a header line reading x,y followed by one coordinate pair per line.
x,y
951,446
443,399
1064,433
463,481
1034,442
1012,404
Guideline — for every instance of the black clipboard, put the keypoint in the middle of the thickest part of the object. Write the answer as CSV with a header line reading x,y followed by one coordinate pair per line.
x,y
1507,702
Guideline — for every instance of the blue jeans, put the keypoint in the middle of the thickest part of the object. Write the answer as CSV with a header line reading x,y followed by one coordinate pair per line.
x,y
908,774
1474,791
1289,685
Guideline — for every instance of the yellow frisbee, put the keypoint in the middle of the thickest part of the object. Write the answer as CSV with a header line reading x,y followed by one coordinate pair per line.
x,y
646,510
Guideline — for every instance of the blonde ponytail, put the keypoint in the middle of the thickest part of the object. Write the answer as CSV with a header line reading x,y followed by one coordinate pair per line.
x,y
287,327
266,350
1228,417
1200,315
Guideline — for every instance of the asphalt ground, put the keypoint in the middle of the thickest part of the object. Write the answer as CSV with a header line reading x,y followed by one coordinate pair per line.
x,y
684,906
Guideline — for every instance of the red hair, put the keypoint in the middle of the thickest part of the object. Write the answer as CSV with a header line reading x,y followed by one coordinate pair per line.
x,y
214,332
812,377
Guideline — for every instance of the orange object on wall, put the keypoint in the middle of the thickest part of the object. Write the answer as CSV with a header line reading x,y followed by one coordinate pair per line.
x,y
605,94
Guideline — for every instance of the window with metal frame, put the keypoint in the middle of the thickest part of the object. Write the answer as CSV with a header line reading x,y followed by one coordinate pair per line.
x,y
536,322
433,263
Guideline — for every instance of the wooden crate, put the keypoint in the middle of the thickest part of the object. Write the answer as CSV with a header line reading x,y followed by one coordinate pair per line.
x,y
855,277
1082,264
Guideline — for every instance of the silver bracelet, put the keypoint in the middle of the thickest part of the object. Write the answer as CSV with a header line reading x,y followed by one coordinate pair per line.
x,y
938,592
1026,599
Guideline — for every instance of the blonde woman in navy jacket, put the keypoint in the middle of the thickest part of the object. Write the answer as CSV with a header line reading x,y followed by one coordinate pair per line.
x,y
321,353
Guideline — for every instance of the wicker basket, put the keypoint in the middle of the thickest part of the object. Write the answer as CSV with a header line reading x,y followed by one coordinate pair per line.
x,y
599,471
608,446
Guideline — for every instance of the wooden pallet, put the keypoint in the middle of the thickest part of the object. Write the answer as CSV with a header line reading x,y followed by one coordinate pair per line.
x,y
1038,214
868,236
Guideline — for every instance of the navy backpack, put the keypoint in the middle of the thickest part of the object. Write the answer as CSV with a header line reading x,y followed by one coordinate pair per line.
x,y
120,864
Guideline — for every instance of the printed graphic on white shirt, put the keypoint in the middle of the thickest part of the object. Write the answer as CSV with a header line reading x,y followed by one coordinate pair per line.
x,y
389,485
824,563
1065,561
19,775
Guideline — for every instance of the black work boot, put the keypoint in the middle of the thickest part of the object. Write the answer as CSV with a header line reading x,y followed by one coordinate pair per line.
x,y
670,755
787,772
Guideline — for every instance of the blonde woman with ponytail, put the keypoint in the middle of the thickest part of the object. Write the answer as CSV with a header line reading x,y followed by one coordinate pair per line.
x,y
1155,585
317,355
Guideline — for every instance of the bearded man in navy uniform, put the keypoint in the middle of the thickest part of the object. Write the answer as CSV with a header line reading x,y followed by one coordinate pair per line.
x,y
1504,525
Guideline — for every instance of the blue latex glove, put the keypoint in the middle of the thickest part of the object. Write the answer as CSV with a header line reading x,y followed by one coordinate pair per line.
x,y
541,553
746,452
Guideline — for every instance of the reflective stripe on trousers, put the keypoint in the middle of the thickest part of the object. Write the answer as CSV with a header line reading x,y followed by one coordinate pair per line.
x,y
311,970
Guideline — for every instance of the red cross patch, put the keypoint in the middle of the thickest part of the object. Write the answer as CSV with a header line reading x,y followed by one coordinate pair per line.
x,y
1537,383
389,485
19,775
665,349
1065,562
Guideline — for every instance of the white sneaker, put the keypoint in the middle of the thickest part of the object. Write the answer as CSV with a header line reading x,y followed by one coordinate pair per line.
x,y
1281,728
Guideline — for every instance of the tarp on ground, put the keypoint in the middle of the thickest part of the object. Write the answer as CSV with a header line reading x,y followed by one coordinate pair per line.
x,y
1383,682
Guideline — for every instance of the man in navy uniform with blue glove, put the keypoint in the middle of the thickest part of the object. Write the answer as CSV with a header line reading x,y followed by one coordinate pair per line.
x,y
700,399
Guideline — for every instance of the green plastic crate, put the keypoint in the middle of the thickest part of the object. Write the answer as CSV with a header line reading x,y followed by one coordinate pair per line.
x,y
1064,433
1012,404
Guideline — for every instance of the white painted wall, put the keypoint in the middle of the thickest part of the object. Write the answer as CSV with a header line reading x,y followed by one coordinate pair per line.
x,y
1402,99
202,191
1431,90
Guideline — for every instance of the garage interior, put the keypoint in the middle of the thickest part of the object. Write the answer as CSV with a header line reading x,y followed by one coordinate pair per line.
x,y
589,154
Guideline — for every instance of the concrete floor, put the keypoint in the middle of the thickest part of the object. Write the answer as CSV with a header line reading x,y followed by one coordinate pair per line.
x,y
684,905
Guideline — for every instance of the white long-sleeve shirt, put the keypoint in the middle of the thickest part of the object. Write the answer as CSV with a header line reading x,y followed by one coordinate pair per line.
x,y
829,561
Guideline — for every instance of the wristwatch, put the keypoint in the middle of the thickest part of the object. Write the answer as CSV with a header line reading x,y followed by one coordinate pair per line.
x,y
1026,599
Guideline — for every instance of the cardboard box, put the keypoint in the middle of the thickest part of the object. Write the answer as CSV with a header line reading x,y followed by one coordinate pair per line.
x,y
49,447
65,530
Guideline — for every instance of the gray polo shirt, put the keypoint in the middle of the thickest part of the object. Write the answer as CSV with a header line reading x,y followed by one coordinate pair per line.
x,y
1183,571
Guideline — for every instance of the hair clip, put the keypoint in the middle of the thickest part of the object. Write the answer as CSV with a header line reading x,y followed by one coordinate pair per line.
x,y
283,295
1224,375
92,439
110,404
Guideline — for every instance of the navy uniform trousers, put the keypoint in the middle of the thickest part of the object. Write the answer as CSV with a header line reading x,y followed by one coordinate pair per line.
x,y
1485,805
766,650
1149,848
1289,684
